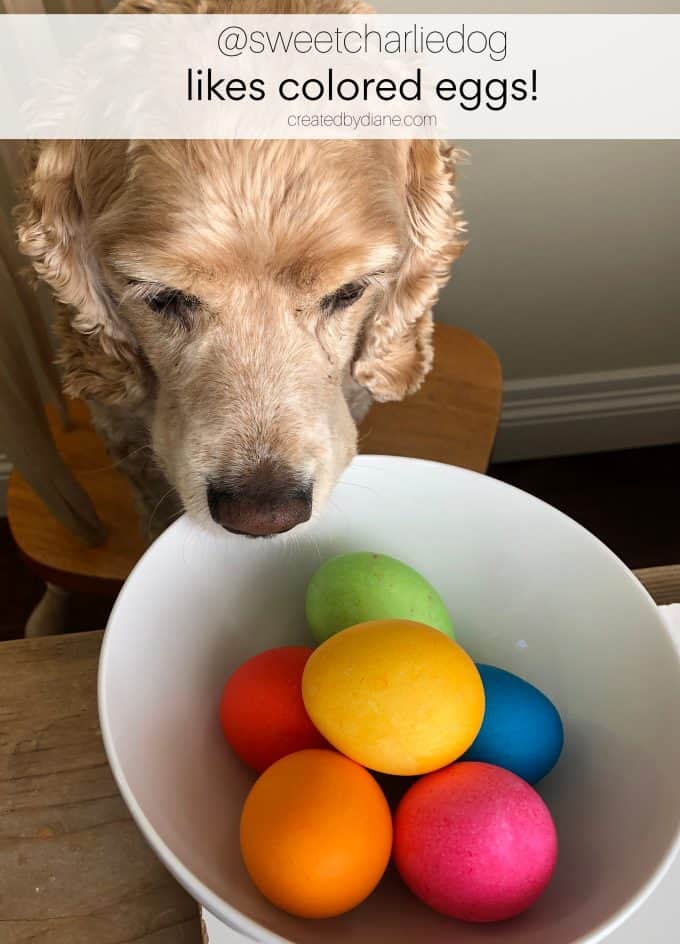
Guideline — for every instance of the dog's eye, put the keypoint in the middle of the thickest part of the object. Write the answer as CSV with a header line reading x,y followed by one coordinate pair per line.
x,y
174,304
345,296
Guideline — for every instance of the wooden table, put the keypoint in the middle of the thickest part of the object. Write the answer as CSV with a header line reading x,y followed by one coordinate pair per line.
x,y
73,867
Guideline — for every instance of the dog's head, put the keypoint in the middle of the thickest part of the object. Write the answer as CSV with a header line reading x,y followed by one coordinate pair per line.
x,y
238,294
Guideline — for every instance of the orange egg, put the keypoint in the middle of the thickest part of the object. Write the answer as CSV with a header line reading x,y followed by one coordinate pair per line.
x,y
316,834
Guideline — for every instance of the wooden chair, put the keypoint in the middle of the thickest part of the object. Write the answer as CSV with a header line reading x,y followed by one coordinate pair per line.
x,y
452,419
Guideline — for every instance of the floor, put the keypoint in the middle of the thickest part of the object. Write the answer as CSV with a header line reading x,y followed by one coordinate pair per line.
x,y
21,589
629,499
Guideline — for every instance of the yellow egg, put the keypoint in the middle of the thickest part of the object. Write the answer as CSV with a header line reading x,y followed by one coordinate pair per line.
x,y
394,695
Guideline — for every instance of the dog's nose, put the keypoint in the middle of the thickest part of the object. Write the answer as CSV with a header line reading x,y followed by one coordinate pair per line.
x,y
270,500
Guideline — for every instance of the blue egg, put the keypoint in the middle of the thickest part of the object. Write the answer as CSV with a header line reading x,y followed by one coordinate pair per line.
x,y
522,730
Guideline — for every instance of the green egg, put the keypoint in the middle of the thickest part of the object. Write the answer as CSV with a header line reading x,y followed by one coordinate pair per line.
x,y
355,588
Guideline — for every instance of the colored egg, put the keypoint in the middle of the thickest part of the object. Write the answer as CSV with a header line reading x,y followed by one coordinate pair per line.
x,y
316,834
262,713
356,588
396,696
475,842
522,730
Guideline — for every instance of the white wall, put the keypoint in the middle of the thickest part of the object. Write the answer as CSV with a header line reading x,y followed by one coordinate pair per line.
x,y
574,256
573,274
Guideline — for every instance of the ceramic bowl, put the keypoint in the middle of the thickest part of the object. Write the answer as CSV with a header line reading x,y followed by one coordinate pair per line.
x,y
528,590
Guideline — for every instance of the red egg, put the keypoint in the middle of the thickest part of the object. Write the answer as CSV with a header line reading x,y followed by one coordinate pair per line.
x,y
475,842
262,713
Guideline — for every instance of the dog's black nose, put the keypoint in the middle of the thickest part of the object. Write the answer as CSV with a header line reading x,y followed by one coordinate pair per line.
x,y
270,500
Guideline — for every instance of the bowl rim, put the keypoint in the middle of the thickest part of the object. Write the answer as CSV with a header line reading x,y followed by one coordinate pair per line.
x,y
219,907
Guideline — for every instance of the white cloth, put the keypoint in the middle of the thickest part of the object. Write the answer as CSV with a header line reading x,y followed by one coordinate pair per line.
x,y
219,933
650,923
671,616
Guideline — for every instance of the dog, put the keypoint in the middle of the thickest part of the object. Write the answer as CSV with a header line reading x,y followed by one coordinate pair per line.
x,y
230,309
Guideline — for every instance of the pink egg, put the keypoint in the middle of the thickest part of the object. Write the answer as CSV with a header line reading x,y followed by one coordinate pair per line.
x,y
475,842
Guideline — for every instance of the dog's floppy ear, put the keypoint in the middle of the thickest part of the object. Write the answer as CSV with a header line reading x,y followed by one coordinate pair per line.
x,y
52,232
395,352
98,356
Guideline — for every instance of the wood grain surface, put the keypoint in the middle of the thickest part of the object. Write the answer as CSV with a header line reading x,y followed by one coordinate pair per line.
x,y
452,419
58,555
662,583
74,869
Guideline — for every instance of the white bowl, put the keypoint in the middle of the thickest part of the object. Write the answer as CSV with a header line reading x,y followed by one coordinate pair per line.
x,y
528,589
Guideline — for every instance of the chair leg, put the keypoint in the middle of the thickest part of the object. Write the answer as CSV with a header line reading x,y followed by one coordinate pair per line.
x,y
49,616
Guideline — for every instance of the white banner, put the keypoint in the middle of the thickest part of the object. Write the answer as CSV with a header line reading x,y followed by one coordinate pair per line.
x,y
447,76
